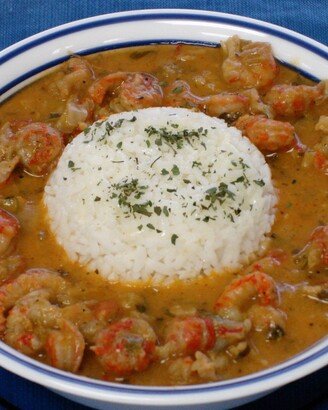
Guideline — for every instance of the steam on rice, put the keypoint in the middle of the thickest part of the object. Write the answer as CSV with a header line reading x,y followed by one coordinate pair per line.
x,y
160,194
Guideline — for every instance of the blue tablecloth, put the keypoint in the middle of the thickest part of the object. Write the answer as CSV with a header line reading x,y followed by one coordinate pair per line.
x,y
22,18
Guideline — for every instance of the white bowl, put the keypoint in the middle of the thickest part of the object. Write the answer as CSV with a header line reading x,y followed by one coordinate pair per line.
x,y
23,62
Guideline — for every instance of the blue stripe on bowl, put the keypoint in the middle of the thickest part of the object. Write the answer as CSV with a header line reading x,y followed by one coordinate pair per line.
x,y
139,17
94,50
53,373
160,16
6,56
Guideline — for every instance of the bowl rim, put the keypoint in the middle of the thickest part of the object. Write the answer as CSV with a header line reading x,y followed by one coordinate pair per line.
x,y
300,365
315,357
150,14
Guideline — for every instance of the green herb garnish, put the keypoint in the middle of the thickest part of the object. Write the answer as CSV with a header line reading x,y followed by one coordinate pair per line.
x,y
175,170
72,166
174,238
157,210
259,182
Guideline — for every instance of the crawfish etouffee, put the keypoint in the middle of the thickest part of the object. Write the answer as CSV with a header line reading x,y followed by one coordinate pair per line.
x,y
211,327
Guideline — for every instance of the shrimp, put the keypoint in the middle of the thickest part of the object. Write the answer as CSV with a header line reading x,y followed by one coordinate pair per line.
x,y
228,106
315,253
78,74
100,87
179,94
38,145
201,365
132,91
322,124
180,370
266,134
10,265
256,105
126,346
185,336
76,115
268,317
319,240
91,317
318,156
33,279
34,325
6,168
27,320
321,161
248,64
269,262
240,293
294,100
65,346
105,310
8,157
34,145
9,227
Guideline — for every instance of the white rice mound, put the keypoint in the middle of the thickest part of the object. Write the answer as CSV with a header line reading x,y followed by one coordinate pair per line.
x,y
209,201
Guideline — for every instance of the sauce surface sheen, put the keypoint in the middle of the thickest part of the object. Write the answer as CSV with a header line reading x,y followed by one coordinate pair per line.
x,y
301,208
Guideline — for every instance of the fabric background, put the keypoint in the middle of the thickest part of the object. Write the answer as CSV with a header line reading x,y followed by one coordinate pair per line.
x,y
22,18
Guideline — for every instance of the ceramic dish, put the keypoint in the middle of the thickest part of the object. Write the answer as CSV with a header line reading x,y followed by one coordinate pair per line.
x,y
23,62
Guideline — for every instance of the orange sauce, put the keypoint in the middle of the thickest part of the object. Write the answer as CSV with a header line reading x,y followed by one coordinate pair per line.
x,y
302,206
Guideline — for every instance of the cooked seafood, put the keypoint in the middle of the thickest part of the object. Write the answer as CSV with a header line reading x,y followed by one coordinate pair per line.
x,y
200,327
